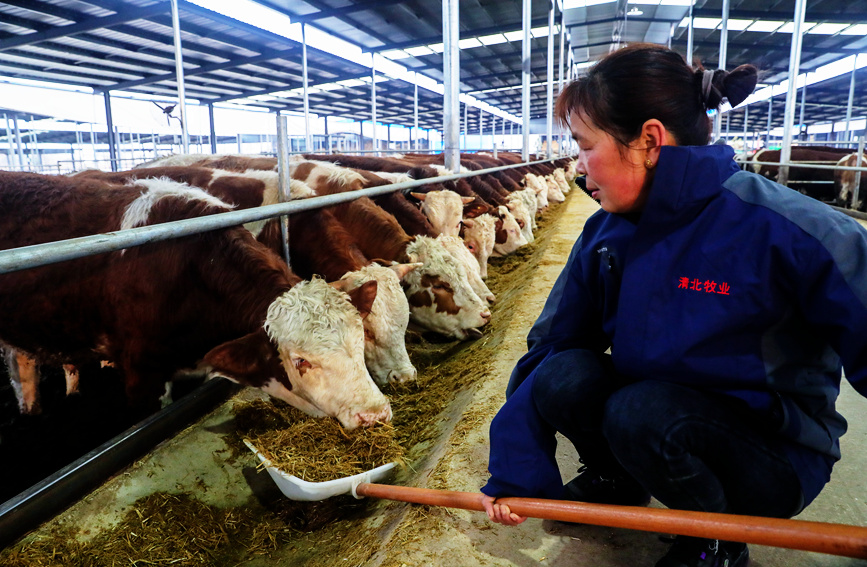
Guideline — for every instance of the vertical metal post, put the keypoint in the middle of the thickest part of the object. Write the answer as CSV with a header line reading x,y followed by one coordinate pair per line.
x,y
525,78
373,101
746,120
284,180
179,74
109,122
855,196
466,126
723,56
851,97
327,136
11,150
451,84
308,144
549,115
495,134
803,104
213,132
789,114
689,34
415,114
770,113
481,130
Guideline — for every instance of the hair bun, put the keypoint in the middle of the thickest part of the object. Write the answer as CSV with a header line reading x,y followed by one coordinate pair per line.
x,y
740,83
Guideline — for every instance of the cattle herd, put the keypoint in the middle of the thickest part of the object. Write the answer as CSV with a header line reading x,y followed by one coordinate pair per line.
x,y
833,186
323,334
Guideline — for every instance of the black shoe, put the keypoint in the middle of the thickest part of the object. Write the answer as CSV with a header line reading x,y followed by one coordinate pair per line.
x,y
696,552
591,487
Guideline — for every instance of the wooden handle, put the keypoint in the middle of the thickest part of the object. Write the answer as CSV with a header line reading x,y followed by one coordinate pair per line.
x,y
833,539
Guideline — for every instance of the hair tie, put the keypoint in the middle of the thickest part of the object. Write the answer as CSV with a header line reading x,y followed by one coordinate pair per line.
x,y
706,85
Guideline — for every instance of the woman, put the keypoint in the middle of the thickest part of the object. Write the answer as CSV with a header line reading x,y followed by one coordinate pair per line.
x,y
728,303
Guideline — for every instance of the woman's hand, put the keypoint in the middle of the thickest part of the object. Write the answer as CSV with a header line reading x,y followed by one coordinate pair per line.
x,y
500,513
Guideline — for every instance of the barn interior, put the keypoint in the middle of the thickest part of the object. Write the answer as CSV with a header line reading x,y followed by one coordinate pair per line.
x,y
127,48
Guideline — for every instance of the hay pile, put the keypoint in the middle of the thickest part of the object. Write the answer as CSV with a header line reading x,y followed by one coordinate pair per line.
x,y
315,449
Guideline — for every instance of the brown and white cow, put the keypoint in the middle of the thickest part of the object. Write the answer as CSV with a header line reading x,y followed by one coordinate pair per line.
x,y
156,308
456,246
844,182
479,235
508,234
523,216
444,209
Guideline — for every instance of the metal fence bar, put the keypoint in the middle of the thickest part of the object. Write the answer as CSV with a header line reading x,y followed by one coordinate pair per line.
x,y
73,248
809,165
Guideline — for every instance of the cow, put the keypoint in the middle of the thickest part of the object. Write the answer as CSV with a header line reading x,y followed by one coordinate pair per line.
x,y
479,235
458,249
816,183
555,195
319,245
844,182
508,233
522,216
219,297
444,210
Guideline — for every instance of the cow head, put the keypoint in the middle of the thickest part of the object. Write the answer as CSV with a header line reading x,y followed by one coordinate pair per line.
x,y
508,234
310,354
479,235
443,209
555,195
385,326
439,293
522,216
456,247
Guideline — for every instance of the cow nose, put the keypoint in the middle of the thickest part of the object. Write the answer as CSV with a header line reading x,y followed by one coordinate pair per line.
x,y
486,315
368,419
400,376
491,299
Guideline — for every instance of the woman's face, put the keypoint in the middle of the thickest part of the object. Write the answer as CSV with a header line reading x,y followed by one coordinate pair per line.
x,y
616,176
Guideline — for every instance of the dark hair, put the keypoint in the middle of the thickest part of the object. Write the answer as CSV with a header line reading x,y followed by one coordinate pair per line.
x,y
630,86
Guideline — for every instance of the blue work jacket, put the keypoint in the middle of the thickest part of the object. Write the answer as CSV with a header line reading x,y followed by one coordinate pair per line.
x,y
727,282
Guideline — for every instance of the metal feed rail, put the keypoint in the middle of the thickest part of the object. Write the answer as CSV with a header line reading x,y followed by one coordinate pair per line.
x,y
73,248
50,496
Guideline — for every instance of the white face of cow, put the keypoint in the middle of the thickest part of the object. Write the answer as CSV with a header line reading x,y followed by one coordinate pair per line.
x,y
455,245
479,236
555,195
320,338
443,209
560,178
514,238
522,216
385,326
439,293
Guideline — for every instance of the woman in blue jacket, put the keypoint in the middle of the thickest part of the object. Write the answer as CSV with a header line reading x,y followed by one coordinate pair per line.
x,y
729,304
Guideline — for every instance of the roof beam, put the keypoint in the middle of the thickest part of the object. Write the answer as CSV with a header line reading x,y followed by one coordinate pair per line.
x,y
85,26
464,34
344,11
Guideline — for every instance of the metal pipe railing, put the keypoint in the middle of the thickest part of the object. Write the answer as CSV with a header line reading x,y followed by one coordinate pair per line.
x,y
60,251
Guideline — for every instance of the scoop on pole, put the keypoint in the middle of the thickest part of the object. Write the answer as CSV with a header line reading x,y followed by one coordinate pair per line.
x,y
833,539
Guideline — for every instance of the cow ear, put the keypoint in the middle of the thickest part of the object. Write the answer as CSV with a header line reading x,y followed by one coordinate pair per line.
x,y
403,269
419,196
362,297
382,262
511,205
467,200
468,223
252,360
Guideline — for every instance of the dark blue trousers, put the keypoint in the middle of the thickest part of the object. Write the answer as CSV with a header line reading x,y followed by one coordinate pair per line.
x,y
691,449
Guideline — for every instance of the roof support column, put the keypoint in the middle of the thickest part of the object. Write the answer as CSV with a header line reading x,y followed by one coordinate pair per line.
x,y
373,100
802,127
789,114
525,78
109,122
308,140
723,55
495,134
560,89
10,151
689,41
549,115
746,121
851,97
213,130
466,126
179,74
415,114
770,115
451,86
283,195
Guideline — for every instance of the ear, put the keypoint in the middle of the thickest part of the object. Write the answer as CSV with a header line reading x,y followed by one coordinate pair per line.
x,y
467,200
362,297
252,360
511,205
468,223
382,262
419,196
403,269
654,135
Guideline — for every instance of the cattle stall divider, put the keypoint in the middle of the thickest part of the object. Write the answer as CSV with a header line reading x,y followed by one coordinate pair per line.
x,y
47,498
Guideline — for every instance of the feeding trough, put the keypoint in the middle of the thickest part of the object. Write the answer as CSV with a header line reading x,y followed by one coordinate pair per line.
x,y
295,488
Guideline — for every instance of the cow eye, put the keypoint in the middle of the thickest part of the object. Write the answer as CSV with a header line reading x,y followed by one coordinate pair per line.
x,y
301,364
472,247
